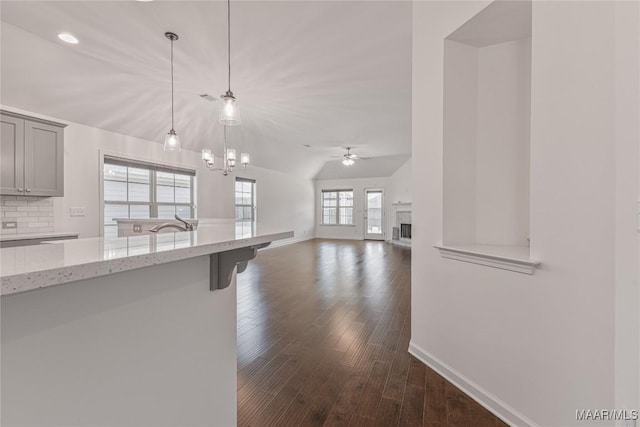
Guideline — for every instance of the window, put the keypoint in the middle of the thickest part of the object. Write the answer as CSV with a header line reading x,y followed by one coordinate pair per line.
x,y
337,207
245,207
144,190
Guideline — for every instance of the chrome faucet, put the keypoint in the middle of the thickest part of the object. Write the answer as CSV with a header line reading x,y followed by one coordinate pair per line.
x,y
186,227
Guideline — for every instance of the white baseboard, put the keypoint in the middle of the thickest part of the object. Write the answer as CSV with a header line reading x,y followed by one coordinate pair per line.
x,y
291,241
490,402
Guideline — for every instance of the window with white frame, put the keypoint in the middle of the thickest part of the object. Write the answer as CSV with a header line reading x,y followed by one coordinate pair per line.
x,y
144,190
245,204
337,207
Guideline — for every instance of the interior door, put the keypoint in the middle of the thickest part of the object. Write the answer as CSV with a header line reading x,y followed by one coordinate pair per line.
x,y
374,215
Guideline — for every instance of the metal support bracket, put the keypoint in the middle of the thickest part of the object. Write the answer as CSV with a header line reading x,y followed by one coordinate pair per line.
x,y
222,264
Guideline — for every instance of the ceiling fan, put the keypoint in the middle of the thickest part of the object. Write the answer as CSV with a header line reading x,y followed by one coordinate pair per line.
x,y
349,159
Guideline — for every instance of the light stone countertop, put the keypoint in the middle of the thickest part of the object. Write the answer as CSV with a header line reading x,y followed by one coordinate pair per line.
x,y
32,267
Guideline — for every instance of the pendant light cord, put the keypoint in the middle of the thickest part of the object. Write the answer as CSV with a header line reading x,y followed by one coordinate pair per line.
x,y
172,128
229,41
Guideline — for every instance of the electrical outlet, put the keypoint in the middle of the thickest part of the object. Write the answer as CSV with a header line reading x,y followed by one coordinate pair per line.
x,y
137,228
76,211
9,224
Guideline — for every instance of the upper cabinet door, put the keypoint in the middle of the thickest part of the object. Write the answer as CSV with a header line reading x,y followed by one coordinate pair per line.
x,y
44,159
12,155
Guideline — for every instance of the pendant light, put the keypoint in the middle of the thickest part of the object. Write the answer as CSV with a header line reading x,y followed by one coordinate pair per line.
x,y
171,140
229,110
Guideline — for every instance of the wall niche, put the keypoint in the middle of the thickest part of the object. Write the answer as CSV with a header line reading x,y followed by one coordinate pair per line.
x,y
487,112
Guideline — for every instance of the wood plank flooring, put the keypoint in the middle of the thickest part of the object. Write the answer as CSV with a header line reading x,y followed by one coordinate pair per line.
x,y
323,333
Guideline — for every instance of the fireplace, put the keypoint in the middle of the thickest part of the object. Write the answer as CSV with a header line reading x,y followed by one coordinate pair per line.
x,y
405,231
402,228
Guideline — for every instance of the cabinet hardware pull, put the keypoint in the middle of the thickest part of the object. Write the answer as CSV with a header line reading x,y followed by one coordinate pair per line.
x,y
19,190
28,190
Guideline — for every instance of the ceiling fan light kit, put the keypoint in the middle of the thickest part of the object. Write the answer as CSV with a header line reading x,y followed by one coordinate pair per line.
x,y
349,159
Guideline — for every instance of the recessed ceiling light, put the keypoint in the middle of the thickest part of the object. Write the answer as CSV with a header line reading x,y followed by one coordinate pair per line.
x,y
68,38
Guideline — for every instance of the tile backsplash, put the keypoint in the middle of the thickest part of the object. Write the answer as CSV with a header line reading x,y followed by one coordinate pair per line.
x,y
32,214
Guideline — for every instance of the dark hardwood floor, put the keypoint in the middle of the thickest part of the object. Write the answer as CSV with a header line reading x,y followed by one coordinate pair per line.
x,y
323,333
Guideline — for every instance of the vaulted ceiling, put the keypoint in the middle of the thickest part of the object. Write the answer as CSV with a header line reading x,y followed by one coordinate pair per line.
x,y
319,74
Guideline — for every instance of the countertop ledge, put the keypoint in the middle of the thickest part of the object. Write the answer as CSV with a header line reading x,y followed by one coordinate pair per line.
x,y
34,267
29,236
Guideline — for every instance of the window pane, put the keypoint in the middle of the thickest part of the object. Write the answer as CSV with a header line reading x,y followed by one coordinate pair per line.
x,y
164,194
346,198
166,211
329,215
164,178
138,211
183,180
115,211
184,211
238,212
374,200
139,192
330,195
110,231
115,173
346,216
139,175
115,190
183,195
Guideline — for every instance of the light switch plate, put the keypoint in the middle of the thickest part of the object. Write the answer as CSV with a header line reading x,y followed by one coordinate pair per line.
x,y
76,211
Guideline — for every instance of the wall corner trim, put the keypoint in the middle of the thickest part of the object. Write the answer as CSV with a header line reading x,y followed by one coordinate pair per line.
x,y
490,402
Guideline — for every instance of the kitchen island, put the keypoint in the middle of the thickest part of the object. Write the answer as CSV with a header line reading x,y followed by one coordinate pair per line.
x,y
128,331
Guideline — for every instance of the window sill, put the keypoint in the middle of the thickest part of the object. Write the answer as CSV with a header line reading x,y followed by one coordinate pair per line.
x,y
511,258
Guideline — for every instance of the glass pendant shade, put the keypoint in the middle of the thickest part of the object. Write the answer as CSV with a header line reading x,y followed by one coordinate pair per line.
x,y
231,156
207,156
244,159
172,141
229,110
348,162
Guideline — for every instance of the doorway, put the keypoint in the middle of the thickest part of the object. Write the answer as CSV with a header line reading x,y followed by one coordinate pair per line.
x,y
373,215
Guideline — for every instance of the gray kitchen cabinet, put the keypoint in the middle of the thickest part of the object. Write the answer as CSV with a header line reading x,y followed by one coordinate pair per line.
x,y
32,153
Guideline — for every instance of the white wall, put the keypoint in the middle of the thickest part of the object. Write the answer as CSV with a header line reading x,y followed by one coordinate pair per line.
x,y
282,198
486,154
534,348
502,154
460,130
627,299
356,231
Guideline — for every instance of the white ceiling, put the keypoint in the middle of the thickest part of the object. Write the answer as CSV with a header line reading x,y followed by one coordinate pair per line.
x,y
325,74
